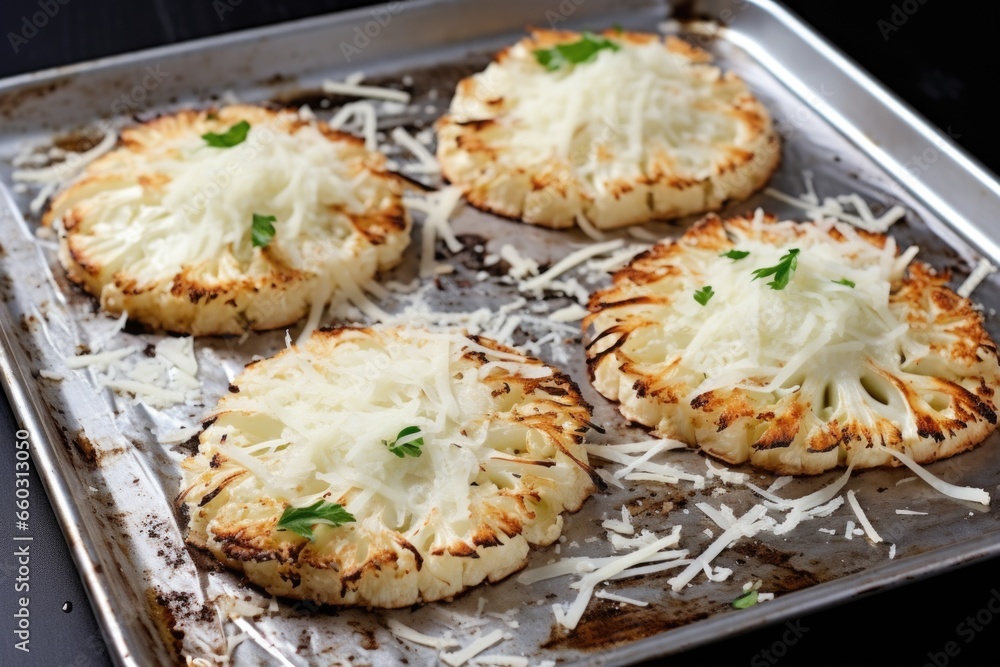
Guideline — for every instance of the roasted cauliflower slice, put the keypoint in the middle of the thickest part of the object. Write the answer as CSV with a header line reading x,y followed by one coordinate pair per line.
x,y
853,351
621,129
215,222
451,455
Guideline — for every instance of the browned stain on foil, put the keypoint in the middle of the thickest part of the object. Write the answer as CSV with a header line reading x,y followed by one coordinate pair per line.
x,y
86,447
92,452
607,623
165,620
776,569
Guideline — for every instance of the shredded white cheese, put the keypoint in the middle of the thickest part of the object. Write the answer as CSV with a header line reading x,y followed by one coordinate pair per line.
x,y
607,595
369,92
834,208
745,526
409,634
863,518
958,492
427,164
72,165
570,261
100,360
460,657
978,275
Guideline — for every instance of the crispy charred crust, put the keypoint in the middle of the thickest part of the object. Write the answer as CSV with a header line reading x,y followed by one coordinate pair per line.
x,y
210,496
417,557
254,545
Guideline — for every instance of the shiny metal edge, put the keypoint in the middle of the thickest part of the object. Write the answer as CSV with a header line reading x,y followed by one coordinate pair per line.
x,y
27,411
902,134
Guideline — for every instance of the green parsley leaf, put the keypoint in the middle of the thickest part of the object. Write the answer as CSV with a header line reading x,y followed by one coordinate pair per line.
x,y
748,599
704,294
234,136
735,254
844,281
618,28
782,271
300,520
573,53
411,448
262,231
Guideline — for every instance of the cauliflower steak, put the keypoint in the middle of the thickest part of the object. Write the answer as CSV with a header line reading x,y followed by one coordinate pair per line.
x,y
799,347
620,129
215,222
387,467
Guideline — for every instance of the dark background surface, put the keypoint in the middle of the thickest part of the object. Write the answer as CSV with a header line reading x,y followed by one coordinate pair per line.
x,y
939,56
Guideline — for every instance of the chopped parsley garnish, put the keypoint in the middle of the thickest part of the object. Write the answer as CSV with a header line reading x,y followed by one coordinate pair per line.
x,y
782,271
234,136
410,448
573,53
704,294
735,254
300,520
748,599
262,230
845,281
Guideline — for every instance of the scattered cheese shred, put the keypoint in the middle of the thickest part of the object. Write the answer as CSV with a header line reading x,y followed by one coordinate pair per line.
x,y
368,92
462,656
409,634
100,360
571,313
569,616
958,492
364,112
72,165
978,275
427,164
744,527
863,518
588,228
833,208
607,595
569,262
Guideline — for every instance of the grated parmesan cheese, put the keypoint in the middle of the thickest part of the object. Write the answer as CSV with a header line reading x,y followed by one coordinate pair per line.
x,y
427,164
958,492
409,634
369,92
983,269
462,656
833,208
745,526
862,518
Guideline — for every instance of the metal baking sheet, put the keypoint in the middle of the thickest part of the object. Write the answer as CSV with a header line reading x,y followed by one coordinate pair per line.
x,y
113,485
